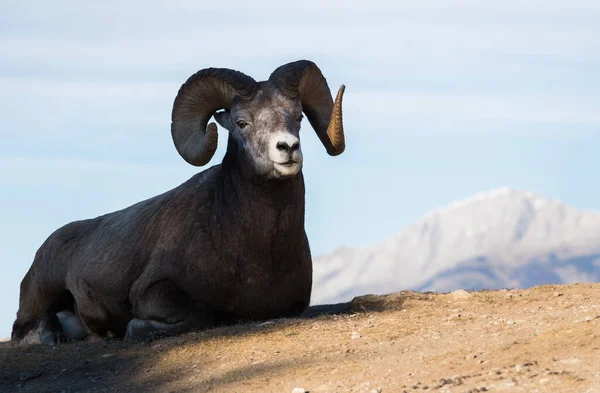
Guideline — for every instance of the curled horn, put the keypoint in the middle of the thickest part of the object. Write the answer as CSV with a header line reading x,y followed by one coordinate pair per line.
x,y
204,93
303,79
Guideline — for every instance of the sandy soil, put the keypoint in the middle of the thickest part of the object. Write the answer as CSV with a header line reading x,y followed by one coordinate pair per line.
x,y
545,339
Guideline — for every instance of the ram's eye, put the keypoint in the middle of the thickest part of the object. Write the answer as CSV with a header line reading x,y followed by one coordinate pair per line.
x,y
241,123
299,118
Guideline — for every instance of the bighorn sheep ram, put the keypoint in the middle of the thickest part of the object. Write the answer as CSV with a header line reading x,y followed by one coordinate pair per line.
x,y
229,244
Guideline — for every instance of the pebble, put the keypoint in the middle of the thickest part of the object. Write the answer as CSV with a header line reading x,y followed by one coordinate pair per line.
x,y
506,385
299,390
355,335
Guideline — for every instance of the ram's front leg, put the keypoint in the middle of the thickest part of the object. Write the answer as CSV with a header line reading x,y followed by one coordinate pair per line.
x,y
164,310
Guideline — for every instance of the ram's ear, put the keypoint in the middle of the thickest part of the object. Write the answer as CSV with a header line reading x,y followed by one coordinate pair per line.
x,y
224,119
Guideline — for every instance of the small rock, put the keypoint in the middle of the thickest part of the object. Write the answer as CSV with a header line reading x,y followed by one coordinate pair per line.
x,y
571,361
506,385
391,302
24,377
544,380
518,368
510,322
460,294
557,294
299,390
355,335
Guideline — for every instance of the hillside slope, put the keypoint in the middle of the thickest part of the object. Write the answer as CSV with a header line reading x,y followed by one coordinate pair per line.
x,y
545,339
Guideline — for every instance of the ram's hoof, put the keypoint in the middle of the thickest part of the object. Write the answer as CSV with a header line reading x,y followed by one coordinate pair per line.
x,y
46,330
52,338
142,330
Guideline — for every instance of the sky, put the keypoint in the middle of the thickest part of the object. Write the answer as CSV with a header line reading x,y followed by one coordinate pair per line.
x,y
442,101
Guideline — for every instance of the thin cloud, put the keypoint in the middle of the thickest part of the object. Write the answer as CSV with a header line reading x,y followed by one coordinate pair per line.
x,y
172,37
97,90
77,166
540,108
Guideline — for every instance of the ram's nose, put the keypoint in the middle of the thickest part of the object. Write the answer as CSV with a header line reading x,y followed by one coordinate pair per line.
x,y
285,148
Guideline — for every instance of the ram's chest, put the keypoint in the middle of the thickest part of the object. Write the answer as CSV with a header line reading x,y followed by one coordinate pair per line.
x,y
260,292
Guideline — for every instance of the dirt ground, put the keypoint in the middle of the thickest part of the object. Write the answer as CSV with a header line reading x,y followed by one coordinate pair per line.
x,y
545,339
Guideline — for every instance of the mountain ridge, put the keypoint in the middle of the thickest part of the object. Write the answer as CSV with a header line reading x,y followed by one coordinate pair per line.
x,y
508,228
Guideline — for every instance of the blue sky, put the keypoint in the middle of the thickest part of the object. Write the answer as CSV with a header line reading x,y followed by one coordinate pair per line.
x,y
442,102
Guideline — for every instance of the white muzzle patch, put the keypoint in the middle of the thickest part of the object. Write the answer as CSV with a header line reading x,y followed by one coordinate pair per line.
x,y
285,152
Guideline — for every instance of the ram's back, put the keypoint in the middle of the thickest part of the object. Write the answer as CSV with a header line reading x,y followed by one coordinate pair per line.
x,y
113,249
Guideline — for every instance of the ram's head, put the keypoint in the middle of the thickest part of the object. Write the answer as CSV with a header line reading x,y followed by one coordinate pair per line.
x,y
263,118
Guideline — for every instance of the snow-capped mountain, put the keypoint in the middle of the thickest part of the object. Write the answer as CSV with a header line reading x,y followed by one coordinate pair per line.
x,y
503,238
